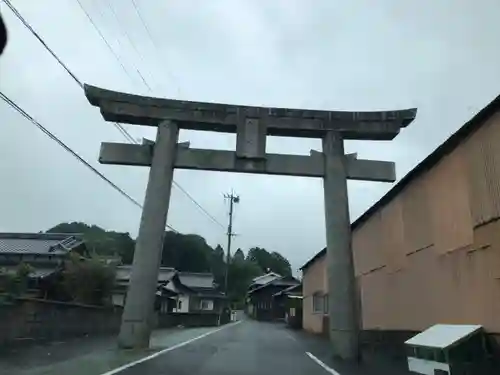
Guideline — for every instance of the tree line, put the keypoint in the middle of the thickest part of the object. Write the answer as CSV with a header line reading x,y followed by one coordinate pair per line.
x,y
189,253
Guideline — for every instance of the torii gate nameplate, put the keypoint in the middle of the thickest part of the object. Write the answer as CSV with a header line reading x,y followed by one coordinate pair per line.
x,y
251,125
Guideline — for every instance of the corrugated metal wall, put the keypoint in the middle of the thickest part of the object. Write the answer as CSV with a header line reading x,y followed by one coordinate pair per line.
x,y
366,244
432,255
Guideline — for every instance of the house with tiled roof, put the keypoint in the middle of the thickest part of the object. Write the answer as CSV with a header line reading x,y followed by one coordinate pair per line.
x,y
260,302
43,252
123,274
178,292
195,292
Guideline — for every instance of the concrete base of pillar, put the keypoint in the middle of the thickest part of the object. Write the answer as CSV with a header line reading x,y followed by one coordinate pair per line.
x,y
134,335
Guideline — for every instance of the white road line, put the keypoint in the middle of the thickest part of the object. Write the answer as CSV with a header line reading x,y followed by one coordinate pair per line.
x,y
325,367
166,350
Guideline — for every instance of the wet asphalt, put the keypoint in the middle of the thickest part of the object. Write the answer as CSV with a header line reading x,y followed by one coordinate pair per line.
x,y
243,348
247,348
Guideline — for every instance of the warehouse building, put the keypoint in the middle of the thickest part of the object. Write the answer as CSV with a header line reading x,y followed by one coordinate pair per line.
x,y
429,251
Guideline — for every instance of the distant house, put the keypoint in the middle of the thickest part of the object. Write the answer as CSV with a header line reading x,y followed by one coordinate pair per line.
x,y
178,292
192,292
122,280
44,252
262,280
260,302
288,303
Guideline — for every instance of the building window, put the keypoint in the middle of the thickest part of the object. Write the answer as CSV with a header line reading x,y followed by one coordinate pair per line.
x,y
325,304
179,305
206,304
317,303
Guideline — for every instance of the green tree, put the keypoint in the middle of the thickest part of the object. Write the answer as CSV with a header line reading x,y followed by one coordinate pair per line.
x,y
279,264
239,279
186,252
239,256
267,261
88,281
15,284
218,265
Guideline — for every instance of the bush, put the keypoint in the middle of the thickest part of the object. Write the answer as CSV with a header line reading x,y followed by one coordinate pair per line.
x,y
15,284
88,281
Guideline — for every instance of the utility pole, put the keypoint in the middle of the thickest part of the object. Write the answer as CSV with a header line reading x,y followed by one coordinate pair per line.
x,y
232,200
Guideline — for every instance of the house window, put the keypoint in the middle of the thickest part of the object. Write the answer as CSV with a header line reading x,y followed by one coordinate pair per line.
x,y
317,303
179,305
325,304
206,304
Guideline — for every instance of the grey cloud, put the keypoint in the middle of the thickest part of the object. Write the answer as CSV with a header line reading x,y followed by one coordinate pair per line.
x,y
324,54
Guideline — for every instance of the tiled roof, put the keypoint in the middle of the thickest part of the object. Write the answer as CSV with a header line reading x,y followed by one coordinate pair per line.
x,y
197,280
38,243
202,283
210,293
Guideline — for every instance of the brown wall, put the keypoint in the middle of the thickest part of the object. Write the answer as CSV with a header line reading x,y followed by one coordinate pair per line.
x,y
432,255
29,320
314,281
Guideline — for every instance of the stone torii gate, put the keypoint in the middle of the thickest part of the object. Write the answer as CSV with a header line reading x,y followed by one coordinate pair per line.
x,y
251,125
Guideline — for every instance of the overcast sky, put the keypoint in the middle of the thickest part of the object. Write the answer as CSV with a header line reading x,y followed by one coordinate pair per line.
x,y
439,56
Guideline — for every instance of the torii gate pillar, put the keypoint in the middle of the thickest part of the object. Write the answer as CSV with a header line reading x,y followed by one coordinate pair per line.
x,y
344,327
138,312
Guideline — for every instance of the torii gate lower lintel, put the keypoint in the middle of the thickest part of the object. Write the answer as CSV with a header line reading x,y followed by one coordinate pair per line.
x,y
252,125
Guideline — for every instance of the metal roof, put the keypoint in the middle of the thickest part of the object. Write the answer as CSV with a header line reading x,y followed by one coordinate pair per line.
x,y
442,336
430,161
286,281
39,243
293,290
262,279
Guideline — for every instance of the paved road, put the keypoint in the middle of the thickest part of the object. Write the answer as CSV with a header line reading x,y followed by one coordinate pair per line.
x,y
244,348
247,348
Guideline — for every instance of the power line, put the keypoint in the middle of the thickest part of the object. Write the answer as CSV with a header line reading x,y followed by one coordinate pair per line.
x,y
198,205
117,125
203,210
125,32
28,26
54,55
155,46
117,57
47,132
148,31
